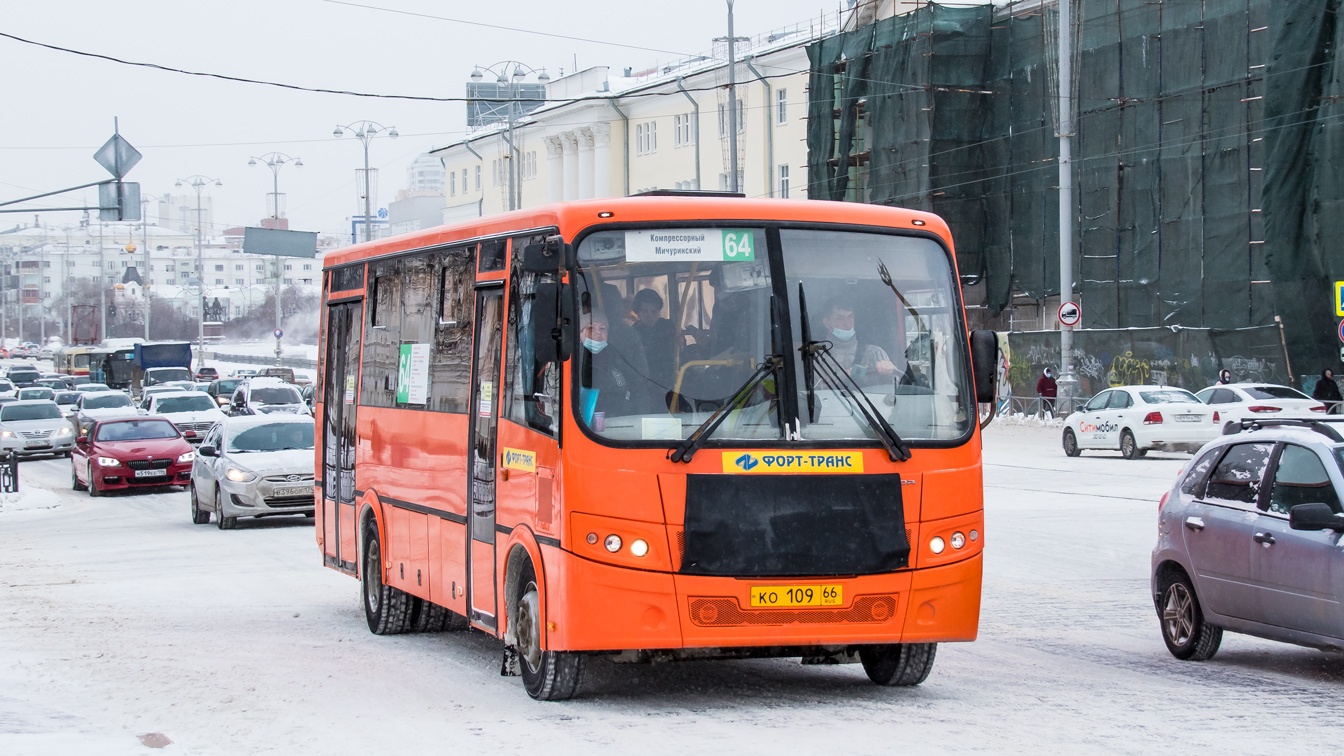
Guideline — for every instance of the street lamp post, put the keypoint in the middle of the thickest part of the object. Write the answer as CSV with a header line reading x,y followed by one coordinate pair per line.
x,y
144,240
199,182
365,131
511,79
274,161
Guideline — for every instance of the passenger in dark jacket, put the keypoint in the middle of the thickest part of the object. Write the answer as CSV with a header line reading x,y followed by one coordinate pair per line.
x,y
1047,389
1327,390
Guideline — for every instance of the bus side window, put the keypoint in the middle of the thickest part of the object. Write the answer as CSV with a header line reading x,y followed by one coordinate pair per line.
x,y
418,312
382,335
450,359
532,389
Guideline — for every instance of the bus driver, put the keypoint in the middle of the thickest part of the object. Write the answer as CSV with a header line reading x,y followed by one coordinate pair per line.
x,y
867,364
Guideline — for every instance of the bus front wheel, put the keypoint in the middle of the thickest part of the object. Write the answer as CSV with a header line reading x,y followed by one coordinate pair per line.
x,y
547,675
898,664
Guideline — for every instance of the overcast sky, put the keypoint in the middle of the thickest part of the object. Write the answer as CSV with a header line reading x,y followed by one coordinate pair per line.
x,y
59,107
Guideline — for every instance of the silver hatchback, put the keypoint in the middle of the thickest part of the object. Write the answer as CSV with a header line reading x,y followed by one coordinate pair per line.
x,y
1249,540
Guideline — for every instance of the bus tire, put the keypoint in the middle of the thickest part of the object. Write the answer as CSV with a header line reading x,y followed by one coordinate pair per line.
x,y
547,675
901,664
428,617
387,609
198,515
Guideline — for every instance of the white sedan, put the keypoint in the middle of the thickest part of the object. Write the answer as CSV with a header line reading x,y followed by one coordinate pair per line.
x,y
1259,401
1136,419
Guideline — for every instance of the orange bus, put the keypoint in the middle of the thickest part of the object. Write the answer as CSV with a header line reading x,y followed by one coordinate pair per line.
x,y
656,428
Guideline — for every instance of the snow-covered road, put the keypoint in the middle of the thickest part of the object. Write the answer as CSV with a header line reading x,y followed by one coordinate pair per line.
x,y
122,623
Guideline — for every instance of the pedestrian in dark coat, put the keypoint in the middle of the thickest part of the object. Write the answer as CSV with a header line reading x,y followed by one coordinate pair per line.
x,y
1327,391
1046,388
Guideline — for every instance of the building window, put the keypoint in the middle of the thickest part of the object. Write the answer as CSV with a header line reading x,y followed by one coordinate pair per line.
x,y
46,279
307,266
237,268
94,279
452,184
646,138
46,263
219,282
219,268
289,280
260,268
238,282
478,177
170,267
288,266
723,121
69,263
784,181
782,107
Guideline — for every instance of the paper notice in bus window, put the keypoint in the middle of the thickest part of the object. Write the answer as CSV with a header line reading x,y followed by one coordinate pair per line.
x,y
690,245
413,374
349,389
660,429
487,401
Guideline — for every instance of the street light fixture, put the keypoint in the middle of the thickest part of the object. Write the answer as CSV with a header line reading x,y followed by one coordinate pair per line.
x,y
502,78
274,161
198,183
365,131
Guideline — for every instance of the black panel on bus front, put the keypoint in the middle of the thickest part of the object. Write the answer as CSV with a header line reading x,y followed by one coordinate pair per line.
x,y
794,525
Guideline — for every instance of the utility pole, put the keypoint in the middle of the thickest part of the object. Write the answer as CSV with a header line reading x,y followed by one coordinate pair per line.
x,y
144,241
198,183
274,161
102,284
1068,381
732,103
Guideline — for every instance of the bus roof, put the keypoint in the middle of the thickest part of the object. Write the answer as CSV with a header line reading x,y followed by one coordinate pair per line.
x,y
571,217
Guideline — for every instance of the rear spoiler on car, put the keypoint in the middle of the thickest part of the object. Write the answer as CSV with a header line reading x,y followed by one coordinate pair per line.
x,y
1322,427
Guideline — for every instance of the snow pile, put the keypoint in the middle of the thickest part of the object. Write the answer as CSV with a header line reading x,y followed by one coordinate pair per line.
x,y
28,498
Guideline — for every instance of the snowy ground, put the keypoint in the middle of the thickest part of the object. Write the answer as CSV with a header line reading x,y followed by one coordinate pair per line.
x,y
121,623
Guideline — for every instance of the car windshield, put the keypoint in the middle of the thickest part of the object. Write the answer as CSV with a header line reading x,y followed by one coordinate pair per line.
x,y
29,412
136,430
675,322
226,386
1168,396
197,403
159,375
36,393
108,401
273,437
6,386
1274,392
275,395
67,397
95,387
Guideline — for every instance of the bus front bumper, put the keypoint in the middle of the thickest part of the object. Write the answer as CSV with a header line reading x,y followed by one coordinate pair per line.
x,y
624,609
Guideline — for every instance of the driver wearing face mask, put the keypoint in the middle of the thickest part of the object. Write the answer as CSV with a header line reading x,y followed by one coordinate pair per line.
x,y
867,364
619,387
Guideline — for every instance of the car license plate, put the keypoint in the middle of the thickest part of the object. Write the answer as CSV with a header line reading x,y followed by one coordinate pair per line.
x,y
796,595
36,445
1188,418
295,491
150,473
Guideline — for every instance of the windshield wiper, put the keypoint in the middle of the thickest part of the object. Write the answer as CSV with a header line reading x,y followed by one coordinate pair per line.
x,y
817,358
770,366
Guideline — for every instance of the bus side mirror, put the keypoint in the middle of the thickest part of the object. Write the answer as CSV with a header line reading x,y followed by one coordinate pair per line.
x,y
985,364
552,314
550,256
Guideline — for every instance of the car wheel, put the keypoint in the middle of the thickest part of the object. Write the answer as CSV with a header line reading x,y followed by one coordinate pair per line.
x,y
386,609
1129,448
1071,444
198,515
902,664
222,522
74,480
93,484
1184,630
547,675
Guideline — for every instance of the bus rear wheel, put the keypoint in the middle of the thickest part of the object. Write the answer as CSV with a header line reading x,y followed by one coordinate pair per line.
x,y
387,609
898,664
547,675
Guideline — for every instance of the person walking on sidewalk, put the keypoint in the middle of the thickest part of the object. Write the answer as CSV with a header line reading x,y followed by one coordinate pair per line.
x,y
1046,388
1327,391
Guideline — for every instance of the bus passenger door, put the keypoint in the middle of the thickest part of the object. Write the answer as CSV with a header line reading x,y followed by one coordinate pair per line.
x,y
340,542
484,418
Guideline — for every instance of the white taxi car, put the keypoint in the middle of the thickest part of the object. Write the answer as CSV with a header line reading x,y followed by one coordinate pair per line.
x,y
1259,401
1137,419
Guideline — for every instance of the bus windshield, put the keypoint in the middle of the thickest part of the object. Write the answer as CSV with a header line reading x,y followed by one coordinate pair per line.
x,y
675,322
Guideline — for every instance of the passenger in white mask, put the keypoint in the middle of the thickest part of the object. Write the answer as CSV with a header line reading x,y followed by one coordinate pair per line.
x,y
867,364
603,369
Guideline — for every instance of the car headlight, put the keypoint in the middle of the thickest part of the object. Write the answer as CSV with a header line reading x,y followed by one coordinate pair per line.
x,y
65,431
189,456
239,476
108,462
6,434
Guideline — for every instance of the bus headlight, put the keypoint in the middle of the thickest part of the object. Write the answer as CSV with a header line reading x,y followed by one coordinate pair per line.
x,y
639,547
936,545
613,543
958,540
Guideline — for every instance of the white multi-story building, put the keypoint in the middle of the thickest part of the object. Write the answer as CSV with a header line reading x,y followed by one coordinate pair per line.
x,y
664,128
426,174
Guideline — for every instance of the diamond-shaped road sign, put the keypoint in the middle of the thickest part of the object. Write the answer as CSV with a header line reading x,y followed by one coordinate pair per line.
x,y
117,156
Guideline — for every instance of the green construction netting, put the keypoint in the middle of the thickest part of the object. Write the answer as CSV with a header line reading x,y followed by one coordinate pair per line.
x,y
1205,144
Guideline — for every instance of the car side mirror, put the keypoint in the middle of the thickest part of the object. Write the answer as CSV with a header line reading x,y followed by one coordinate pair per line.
x,y
82,440
206,450
985,364
1315,516
552,313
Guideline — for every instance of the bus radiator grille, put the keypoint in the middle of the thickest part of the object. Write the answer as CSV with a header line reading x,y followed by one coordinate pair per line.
x,y
724,612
